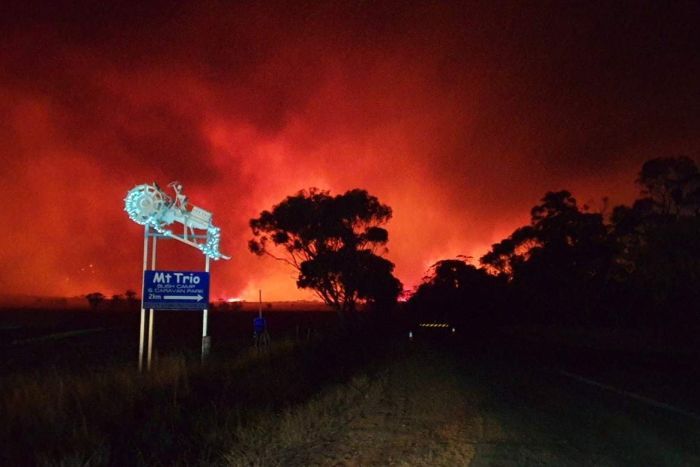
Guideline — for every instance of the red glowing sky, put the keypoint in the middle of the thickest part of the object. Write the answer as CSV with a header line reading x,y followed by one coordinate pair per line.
x,y
458,117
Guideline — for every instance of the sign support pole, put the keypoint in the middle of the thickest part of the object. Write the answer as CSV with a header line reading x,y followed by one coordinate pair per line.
x,y
151,311
205,339
142,326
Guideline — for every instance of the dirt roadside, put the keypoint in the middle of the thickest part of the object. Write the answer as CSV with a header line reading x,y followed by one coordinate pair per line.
x,y
417,412
419,415
430,409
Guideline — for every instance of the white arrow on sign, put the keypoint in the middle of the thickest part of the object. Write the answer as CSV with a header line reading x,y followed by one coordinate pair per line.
x,y
183,297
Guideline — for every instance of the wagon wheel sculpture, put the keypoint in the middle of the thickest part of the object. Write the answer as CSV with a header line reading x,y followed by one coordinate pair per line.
x,y
146,204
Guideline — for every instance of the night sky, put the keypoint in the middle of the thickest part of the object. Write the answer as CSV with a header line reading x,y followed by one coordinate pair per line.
x,y
459,116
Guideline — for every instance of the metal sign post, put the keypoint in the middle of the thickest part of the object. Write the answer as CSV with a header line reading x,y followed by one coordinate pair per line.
x,y
143,308
151,313
206,340
149,206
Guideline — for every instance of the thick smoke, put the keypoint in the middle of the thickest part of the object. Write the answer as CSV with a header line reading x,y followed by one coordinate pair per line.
x,y
459,117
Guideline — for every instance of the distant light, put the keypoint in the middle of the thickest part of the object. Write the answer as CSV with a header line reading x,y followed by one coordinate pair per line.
x,y
410,334
234,300
453,330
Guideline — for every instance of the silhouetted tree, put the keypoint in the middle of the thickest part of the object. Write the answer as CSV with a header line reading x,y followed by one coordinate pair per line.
x,y
640,268
130,296
559,234
332,241
671,185
458,293
558,262
658,242
507,255
94,299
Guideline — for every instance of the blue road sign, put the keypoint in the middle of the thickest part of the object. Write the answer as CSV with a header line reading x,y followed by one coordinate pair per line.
x,y
176,290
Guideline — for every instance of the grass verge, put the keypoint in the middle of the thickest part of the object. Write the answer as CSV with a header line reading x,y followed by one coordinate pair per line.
x,y
182,413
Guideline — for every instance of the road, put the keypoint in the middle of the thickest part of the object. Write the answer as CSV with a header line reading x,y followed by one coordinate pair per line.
x,y
435,407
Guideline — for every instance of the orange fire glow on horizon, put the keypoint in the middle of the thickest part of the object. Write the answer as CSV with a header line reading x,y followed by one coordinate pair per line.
x,y
460,118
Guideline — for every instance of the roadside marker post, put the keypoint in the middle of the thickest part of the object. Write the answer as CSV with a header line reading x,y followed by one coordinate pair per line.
x,y
261,338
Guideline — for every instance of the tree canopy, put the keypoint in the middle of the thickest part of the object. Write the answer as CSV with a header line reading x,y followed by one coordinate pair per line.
x,y
94,299
558,259
334,243
658,238
643,260
457,292
560,240
671,186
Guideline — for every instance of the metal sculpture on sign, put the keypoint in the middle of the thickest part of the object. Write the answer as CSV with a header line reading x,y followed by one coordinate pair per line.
x,y
150,206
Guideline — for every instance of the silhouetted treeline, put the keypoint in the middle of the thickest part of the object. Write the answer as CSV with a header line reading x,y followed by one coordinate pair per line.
x,y
460,294
639,266
97,300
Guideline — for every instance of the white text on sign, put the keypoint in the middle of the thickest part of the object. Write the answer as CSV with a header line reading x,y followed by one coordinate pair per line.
x,y
180,278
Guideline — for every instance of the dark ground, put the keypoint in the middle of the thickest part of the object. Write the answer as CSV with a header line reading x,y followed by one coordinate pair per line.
x,y
84,339
463,399
441,403
578,406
